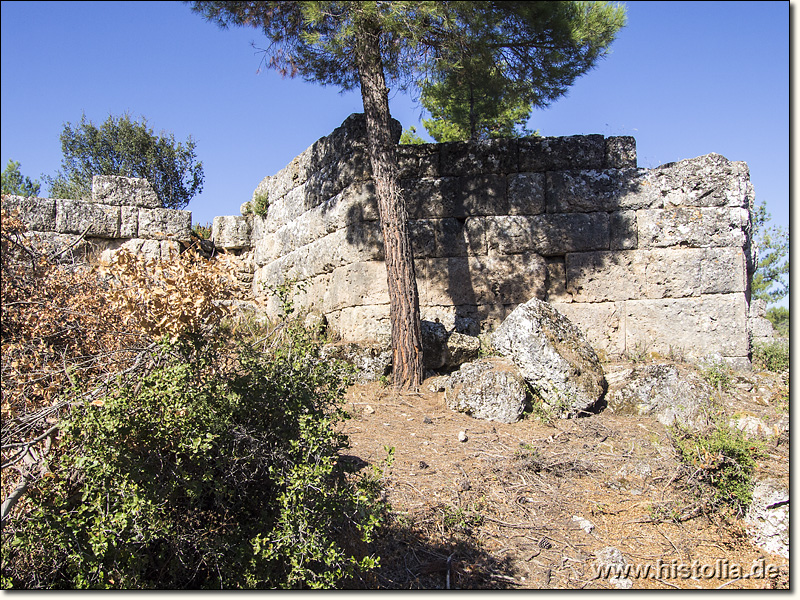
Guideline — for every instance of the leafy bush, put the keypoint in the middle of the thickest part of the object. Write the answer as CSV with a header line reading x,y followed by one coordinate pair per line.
x,y
260,204
723,457
772,356
205,464
13,182
718,375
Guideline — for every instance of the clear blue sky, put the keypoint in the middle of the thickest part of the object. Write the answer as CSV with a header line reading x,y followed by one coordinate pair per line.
x,y
684,78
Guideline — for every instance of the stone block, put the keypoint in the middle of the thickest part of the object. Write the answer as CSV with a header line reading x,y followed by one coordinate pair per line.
x,y
695,227
124,191
232,233
478,157
623,230
557,280
358,284
474,196
603,323
541,154
128,221
38,214
165,224
362,324
157,250
526,194
606,276
548,235
699,326
424,197
490,388
711,181
418,160
607,190
620,152
97,220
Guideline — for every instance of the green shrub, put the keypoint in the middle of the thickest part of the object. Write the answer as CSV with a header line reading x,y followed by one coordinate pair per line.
x,y
260,204
199,476
723,457
771,356
718,375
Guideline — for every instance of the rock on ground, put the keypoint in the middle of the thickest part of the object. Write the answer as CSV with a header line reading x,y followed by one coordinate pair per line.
x,y
767,517
490,388
666,392
553,356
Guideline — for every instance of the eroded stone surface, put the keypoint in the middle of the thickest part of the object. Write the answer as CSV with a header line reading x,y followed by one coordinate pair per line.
x,y
490,389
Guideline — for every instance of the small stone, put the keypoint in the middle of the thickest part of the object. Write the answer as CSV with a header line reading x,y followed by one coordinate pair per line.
x,y
423,464
368,409
462,436
584,524
427,420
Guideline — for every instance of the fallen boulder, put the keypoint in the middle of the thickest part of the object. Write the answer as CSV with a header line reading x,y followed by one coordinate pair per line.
x,y
767,517
553,356
665,391
443,350
489,388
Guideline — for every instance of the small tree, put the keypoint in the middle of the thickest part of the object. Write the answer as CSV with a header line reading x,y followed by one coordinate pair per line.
x,y
16,184
768,282
129,148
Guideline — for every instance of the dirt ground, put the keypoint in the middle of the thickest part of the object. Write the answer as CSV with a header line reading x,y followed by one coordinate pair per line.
x,y
507,508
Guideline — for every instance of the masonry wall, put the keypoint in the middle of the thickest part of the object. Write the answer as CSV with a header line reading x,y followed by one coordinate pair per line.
x,y
640,259
122,213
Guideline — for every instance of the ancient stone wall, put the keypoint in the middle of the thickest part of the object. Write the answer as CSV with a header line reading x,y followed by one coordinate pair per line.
x,y
122,213
643,260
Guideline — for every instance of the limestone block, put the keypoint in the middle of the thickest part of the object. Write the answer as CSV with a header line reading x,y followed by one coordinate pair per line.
x,y
603,323
424,197
666,392
606,276
418,160
475,195
358,284
475,157
128,221
124,191
371,361
526,194
699,326
362,323
606,190
548,235
158,250
557,280
553,356
694,227
481,279
490,389
711,181
165,224
541,154
38,214
767,517
75,216
620,152
437,238
231,232
623,230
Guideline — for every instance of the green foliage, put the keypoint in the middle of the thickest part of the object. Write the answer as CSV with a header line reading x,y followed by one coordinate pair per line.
x,y
13,182
718,375
197,476
202,231
768,281
772,356
484,89
723,457
260,204
411,137
122,146
779,317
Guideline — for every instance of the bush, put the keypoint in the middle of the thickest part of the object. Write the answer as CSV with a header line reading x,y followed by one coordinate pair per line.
x,y
772,356
216,465
723,457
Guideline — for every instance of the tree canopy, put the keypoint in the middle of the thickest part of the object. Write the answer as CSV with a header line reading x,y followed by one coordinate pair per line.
x,y
129,148
372,44
14,182
769,283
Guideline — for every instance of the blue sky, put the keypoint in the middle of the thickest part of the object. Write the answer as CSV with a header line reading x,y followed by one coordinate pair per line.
x,y
684,78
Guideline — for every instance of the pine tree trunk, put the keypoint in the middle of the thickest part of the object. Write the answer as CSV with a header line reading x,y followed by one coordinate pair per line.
x,y
401,276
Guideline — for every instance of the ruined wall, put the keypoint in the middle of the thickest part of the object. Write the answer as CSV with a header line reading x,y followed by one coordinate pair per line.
x,y
640,259
122,213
